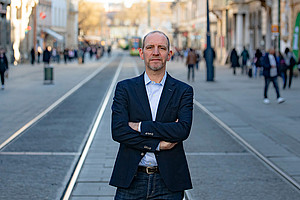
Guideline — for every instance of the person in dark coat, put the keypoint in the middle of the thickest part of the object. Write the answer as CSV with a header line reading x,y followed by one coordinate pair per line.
x,y
245,57
32,53
39,51
290,62
142,128
257,62
46,56
3,66
234,59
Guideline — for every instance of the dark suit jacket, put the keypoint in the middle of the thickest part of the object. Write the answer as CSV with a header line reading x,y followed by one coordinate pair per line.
x,y
131,105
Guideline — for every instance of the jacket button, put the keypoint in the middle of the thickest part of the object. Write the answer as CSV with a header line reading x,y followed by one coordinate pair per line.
x,y
142,154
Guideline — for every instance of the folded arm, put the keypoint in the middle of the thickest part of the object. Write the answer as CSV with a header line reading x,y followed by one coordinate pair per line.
x,y
121,131
176,131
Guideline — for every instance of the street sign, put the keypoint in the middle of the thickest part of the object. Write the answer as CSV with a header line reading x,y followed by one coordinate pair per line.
x,y
274,29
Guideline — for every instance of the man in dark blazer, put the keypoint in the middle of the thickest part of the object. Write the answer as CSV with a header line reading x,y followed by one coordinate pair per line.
x,y
151,117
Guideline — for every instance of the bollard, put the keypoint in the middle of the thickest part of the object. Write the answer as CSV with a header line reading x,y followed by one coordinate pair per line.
x,y
48,74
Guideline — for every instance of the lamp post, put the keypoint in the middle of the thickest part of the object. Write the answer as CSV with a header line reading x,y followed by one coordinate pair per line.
x,y
149,12
278,25
208,53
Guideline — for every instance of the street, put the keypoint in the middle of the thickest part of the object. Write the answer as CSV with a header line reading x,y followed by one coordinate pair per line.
x,y
232,133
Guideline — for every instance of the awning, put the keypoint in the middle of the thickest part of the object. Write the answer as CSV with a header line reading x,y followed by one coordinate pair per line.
x,y
54,34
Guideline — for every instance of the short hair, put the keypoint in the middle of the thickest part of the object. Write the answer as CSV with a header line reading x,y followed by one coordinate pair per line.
x,y
152,32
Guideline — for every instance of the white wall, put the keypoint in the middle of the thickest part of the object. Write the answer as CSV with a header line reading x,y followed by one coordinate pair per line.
x,y
59,13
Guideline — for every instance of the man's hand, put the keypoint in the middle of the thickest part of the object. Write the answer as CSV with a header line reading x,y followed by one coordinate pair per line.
x,y
166,145
134,125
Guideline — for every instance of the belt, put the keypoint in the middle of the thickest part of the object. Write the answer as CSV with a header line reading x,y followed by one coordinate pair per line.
x,y
148,170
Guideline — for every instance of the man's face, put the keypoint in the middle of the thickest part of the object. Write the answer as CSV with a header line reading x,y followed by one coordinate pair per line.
x,y
155,52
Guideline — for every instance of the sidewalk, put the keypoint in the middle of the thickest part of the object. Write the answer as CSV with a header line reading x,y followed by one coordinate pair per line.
x,y
273,130
25,95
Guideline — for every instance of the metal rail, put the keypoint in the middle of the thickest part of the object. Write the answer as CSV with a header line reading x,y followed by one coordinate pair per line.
x,y
87,146
248,146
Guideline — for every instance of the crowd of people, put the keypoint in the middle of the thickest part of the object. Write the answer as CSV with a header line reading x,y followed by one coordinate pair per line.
x,y
68,55
269,64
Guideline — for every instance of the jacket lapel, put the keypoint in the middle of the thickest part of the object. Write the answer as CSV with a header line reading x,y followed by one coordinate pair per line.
x,y
141,94
165,97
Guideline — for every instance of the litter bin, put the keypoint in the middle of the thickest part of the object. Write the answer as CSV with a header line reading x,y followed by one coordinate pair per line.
x,y
48,74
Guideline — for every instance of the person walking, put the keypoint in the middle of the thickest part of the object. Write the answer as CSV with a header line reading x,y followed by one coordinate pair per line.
x,y
245,57
151,117
198,59
66,54
191,61
234,59
257,62
32,53
39,51
47,56
290,62
3,66
270,73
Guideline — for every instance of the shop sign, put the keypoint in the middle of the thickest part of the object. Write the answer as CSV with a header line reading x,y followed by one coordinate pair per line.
x,y
295,44
274,29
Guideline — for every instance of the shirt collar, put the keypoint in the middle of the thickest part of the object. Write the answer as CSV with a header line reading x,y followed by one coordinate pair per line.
x,y
148,81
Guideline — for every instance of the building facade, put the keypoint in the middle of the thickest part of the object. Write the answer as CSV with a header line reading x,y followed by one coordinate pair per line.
x,y
5,41
21,29
236,24
189,24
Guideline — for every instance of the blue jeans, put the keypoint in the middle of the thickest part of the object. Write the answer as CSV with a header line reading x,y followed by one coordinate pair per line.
x,y
145,187
267,82
191,69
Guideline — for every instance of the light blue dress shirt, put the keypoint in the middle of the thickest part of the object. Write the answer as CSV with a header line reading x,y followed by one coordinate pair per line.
x,y
154,91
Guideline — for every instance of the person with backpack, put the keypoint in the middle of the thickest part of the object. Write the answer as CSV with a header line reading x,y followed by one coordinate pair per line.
x,y
270,73
257,62
245,56
290,62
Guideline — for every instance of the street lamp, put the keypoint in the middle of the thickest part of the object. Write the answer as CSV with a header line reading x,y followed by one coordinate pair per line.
x,y
208,53
149,12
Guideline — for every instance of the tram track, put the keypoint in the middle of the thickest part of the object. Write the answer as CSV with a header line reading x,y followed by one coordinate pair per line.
x,y
45,150
248,146
80,156
52,106
95,126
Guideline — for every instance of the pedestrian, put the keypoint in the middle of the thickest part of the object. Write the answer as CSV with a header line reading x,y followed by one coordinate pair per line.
x,y
151,117
290,62
234,59
198,60
3,66
54,55
32,53
245,58
270,73
39,51
281,66
257,62
47,55
66,55
191,61
109,50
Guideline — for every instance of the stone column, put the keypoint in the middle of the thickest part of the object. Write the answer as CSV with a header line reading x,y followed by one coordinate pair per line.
x,y
239,33
247,31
